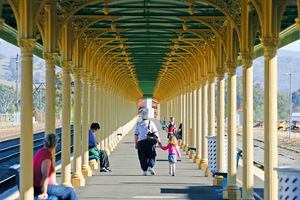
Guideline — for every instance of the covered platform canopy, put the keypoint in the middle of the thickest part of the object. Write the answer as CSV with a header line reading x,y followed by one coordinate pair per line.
x,y
172,50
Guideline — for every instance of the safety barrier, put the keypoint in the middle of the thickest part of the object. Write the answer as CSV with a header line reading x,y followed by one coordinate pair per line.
x,y
289,182
212,153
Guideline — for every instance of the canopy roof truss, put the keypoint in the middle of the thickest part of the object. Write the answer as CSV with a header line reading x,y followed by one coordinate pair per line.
x,y
158,47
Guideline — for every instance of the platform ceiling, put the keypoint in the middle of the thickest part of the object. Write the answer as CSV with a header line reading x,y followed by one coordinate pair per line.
x,y
149,25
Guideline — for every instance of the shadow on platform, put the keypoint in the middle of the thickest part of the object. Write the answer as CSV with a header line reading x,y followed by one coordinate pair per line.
x,y
197,192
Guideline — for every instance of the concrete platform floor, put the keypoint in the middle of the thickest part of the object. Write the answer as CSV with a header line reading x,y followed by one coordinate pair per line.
x,y
126,180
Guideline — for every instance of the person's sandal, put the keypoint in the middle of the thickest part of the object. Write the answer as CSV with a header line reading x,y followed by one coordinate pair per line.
x,y
103,170
108,169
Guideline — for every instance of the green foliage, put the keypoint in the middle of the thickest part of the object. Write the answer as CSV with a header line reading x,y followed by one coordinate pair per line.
x,y
258,113
8,98
11,109
58,94
296,100
283,106
258,101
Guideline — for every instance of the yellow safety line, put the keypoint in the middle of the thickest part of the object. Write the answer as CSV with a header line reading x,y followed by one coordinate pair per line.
x,y
255,194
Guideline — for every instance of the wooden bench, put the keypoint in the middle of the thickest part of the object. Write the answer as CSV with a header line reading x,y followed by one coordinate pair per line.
x,y
15,168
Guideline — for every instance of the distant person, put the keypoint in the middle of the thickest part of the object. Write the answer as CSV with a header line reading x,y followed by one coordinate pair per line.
x,y
43,169
171,127
146,151
173,153
164,124
178,133
93,151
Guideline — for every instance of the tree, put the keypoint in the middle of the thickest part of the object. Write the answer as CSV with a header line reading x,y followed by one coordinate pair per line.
x,y
58,94
283,106
296,100
8,97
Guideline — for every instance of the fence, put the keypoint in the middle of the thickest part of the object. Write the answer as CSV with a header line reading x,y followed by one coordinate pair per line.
x,y
10,119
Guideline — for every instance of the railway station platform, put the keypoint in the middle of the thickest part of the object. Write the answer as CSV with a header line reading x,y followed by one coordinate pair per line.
x,y
126,180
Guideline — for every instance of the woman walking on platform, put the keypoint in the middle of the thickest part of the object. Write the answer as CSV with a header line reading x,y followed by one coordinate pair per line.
x,y
146,151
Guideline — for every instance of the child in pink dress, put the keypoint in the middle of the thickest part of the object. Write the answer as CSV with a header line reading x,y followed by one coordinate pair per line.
x,y
173,153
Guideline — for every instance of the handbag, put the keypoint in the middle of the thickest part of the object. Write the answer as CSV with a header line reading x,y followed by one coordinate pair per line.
x,y
151,137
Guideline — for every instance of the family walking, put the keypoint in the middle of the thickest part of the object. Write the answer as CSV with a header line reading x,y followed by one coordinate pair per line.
x,y
146,150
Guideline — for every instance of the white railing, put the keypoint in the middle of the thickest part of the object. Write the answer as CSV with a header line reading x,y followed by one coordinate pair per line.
x,y
212,153
289,183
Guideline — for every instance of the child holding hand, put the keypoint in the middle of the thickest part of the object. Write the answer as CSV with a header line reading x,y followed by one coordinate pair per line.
x,y
173,153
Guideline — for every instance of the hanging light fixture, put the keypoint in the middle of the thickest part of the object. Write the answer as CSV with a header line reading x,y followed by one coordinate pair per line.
x,y
185,25
113,25
121,45
173,52
118,36
180,36
176,45
192,8
105,8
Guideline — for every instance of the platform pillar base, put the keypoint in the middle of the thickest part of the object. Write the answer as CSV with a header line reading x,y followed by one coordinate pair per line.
x,y
78,180
86,171
110,147
192,154
207,174
203,164
232,192
179,142
93,164
186,148
197,159
218,181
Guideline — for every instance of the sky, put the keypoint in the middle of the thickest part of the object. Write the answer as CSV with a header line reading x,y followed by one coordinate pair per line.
x,y
294,46
11,51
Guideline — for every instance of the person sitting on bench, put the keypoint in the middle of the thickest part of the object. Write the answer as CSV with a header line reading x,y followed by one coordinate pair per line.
x,y
93,151
43,169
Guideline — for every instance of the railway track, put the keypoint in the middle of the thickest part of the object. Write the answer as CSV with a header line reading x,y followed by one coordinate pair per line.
x,y
9,155
10,148
286,155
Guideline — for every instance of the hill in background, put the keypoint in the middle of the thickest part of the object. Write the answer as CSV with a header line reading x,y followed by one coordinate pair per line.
x,y
288,62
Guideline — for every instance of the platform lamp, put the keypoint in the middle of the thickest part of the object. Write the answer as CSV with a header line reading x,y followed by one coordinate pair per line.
x,y
290,100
